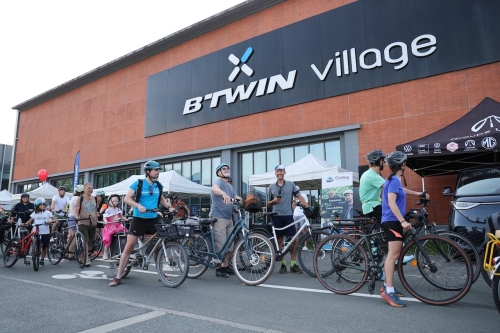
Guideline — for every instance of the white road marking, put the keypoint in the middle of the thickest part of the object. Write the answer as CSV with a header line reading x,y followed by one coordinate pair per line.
x,y
125,322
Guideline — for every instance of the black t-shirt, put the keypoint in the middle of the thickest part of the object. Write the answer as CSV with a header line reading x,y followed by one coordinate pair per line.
x,y
22,208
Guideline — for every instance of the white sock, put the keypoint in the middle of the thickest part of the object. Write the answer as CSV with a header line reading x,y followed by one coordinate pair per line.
x,y
389,290
385,285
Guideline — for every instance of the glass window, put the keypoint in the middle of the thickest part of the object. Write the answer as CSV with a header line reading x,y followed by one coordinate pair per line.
x,y
105,181
215,163
196,170
113,177
273,159
300,152
177,168
318,150
167,167
206,172
246,166
332,149
286,156
186,170
259,162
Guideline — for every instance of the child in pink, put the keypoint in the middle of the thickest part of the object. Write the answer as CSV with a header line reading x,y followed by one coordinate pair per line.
x,y
112,224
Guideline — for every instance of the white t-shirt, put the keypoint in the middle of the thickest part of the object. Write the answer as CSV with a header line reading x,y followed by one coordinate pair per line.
x,y
39,219
298,211
72,204
60,203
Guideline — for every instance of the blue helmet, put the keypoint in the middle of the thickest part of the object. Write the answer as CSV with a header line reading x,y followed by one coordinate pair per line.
x,y
220,166
151,165
40,201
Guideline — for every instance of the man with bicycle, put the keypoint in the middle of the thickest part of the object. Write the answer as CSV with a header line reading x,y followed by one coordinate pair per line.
x,y
222,209
144,218
280,198
370,185
86,215
59,205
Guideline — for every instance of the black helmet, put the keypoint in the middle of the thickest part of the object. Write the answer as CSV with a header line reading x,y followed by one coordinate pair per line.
x,y
62,188
374,156
25,195
151,165
395,159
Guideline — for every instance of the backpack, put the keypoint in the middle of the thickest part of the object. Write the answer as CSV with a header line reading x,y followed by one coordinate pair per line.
x,y
138,191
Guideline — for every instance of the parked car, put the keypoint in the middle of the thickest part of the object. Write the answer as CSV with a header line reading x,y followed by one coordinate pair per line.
x,y
476,197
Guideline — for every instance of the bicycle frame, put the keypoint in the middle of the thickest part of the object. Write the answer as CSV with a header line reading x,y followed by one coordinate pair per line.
x,y
26,243
297,234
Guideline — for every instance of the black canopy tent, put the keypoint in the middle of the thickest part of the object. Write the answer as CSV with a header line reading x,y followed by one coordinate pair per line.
x,y
469,142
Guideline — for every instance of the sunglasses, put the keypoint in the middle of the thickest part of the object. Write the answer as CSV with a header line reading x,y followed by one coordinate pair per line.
x,y
151,190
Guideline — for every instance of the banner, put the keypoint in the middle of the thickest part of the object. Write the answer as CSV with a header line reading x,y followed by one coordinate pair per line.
x,y
337,200
76,170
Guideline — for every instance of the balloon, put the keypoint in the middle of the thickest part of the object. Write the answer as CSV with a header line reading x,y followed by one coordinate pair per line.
x,y
43,175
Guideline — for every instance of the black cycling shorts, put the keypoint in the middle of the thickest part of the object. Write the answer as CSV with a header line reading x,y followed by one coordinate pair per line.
x,y
393,230
140,227
376,213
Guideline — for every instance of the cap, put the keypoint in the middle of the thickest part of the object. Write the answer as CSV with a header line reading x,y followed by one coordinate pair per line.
x,y
348,192
279,167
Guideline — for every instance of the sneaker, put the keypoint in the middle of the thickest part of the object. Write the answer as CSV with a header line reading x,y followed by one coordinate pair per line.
x,y
392,299
42,263
87,264
71,259
296,269
221,273
283,269
405,259
115,282
305,248
105,257
397,292
229,270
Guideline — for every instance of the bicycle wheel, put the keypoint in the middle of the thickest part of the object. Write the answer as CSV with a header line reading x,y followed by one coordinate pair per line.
x,y
95,247
57,247
191,244
496,290
448,283
469,249
259,266
35,252
5,240
306,248
11,252
114,265
80,250
172,264
345,272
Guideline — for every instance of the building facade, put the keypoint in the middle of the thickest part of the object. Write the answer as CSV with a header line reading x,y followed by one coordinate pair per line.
x,y
266,83
5,163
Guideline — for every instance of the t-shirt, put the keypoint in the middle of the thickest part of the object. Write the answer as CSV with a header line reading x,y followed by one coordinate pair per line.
x,y
100,206
287,191
218,208
39,219
60,203
370,187
298,211
87,208
75,200
21,208
148,199
112,214
393,186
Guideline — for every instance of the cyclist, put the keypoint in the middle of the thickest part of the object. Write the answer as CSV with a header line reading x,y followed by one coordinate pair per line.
x,y
222,209
102,205
370,185
22,210
87,206
59,204
39,217
280,198
143,222
75,200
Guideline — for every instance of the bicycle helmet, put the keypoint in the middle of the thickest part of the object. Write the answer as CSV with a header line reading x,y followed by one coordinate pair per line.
x,y
100,193
395,159
62,188
375,155
220,166
25,195
79,188
40,201
151,165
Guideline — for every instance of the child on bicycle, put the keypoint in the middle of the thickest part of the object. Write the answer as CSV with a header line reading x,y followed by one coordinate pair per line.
x,y
112,224
42,217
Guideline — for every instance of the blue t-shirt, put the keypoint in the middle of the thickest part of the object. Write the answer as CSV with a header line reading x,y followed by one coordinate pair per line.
x,y
393,186
148,199
218,208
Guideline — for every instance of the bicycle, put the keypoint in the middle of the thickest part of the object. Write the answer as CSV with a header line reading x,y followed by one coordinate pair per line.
x,y
19,248
439,273
253,255
170,257
491,264
9,231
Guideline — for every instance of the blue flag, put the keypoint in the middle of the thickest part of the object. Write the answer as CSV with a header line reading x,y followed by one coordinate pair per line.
x,y
76,170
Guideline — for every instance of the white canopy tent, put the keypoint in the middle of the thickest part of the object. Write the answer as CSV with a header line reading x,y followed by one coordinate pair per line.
x,y
5,199
45,191
172,183
305,173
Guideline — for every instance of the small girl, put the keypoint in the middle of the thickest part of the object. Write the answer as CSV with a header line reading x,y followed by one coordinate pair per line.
x,y
39,217
112,225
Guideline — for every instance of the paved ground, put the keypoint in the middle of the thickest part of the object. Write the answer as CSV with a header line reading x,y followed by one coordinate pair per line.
x,y
65,298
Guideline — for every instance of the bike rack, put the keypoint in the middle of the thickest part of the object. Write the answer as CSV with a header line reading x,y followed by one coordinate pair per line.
x,y
489,252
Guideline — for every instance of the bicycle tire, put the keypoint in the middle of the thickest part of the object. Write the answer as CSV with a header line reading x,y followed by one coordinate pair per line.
x,y
11,254
35,253
57,247
172,264
469,249
95,247
5,240
200,243
335,274
114,265
496,290
306,248
256,269
486,276
440,287
80,250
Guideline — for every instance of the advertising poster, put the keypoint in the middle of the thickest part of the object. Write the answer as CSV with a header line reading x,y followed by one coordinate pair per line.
x,y
337,200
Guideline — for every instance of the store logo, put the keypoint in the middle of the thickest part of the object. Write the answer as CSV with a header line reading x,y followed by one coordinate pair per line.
x,y
437,145
407,148
452,146
477,126
489,142
244,68
470,143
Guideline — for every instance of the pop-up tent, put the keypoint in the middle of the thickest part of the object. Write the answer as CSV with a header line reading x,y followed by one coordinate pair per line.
x,y
172,183
305,173
469,142
5,199
45,191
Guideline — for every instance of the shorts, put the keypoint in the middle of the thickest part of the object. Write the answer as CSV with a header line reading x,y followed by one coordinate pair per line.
x,y
376,213
45,240
100,224
72,223
281,221
301,223
140,227
222,230
87,231
393,230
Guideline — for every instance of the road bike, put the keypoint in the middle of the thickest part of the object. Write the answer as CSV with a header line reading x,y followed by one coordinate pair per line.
x,y
253,256
439,272
170,257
